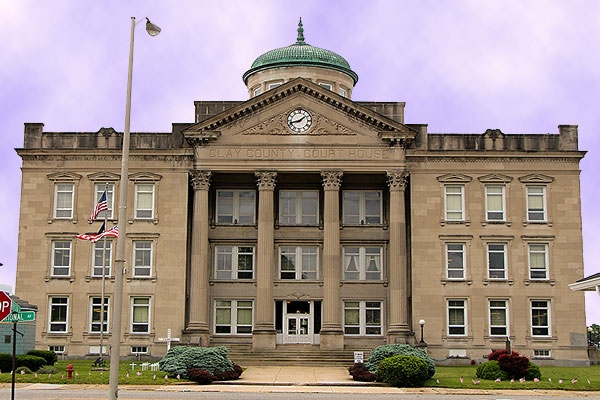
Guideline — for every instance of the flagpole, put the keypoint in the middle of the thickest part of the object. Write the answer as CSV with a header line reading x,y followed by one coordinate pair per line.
x,y
102,306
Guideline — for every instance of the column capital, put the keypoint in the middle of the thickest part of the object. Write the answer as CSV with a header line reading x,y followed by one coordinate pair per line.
x,y
200,179
266,179
332,180
397,180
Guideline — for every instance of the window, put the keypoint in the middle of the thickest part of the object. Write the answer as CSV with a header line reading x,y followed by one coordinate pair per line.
x,y
139,350
540,319
362,207
274,85
298,262
496,255
61,258
7,339
140,315
63,200
457,317
99,189
536,203
99,250
362,263
233,317
234,262
144,200
537,353
298,207
538,261
97,318
362,318
343,92
235,207
455,260
327,86
454,197
498,317
142,258
58,349
59,311
494,203
256,91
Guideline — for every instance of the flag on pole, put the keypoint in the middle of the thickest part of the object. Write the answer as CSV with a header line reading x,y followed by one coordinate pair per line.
x,y
113,232
102,205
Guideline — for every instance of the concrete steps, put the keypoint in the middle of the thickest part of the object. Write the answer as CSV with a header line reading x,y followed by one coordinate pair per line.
x,y
301,355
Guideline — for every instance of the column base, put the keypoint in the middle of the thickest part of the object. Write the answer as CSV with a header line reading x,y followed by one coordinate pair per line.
x,y
332,339
400,334
196,334
263,339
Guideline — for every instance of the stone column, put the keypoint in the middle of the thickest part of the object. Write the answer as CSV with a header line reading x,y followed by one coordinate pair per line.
x,y
398,331
197,331
332,335
263,335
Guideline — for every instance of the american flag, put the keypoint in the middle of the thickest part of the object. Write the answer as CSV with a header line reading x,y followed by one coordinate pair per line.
x,y
113,232
102,205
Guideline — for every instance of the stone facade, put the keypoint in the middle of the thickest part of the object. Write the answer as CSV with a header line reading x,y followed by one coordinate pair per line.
x,y
342,228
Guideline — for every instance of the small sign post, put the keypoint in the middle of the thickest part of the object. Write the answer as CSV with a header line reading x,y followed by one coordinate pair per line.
x,y
358,357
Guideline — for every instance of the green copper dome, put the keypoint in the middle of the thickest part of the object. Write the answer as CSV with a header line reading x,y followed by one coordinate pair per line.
x,y
301,53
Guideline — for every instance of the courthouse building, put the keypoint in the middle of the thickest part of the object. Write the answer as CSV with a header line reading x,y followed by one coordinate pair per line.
x,y
302,216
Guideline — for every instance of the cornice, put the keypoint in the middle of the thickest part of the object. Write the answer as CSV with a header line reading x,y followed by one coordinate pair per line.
x,y
108,158
483,158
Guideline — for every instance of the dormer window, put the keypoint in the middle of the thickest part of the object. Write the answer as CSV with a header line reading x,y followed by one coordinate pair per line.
x,y
274,85
257,91
327,86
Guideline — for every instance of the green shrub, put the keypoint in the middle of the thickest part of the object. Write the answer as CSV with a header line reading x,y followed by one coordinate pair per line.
x,y
47,369
403,371
32,362
490,370
5,362
23,371
533,372
48,355
179,359
379,353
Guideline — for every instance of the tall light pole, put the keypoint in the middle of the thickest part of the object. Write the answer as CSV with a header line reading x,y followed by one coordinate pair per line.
x,y
115,351
422,342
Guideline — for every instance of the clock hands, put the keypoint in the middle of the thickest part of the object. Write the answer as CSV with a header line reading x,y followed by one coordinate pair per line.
x,y
295,121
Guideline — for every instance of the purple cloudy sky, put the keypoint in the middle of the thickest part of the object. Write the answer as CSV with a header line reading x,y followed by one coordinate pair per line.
x,y
461,66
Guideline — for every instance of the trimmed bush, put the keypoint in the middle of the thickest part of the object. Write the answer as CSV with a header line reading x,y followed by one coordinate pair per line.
x,y
490,370
533,372
32,362
47,369
200,376
361,374
23,371
380,353
48,355
495,355
179,359
514,365
403,371
5,362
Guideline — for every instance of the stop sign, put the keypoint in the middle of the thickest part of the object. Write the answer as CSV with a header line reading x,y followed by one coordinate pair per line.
x,y
5,305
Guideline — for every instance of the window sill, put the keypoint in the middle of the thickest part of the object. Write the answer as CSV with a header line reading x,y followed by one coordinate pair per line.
x,y
354,282
89,278
496,222
550,282
153,220
212,282
549,223
445,281
465,222
59,278
492,281
141,278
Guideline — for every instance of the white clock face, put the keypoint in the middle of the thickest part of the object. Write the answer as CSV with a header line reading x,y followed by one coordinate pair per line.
x,y
299,120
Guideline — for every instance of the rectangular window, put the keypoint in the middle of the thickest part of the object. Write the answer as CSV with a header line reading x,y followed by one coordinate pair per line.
x,y
61,258
235,207
233,317
454,199
327,86
274,85
540,318
343,92
362,263
362,318
455,260
234,262
362,207
298,262
99,189
498,317
97,318
139,350
58,349
541,353
144,200
64,194
536,203
142,258
457,317
496,255
495,203
256,91
538,261
298,207
99,250
59,313
140,315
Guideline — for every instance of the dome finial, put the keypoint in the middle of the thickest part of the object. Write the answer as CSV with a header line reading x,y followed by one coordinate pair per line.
x,y
300,32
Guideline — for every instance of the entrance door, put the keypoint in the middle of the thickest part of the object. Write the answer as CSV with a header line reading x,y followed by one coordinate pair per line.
x,y
298,322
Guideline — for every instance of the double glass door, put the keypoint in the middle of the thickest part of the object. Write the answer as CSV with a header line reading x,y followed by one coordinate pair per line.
x,y
298,322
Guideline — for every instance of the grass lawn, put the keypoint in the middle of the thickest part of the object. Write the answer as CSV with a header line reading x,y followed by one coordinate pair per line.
x,y
449,377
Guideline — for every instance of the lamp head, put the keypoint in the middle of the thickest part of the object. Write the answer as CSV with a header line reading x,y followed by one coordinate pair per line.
x,y
421,322
152,29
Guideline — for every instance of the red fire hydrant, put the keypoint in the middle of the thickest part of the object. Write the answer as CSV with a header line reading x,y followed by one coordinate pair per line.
x,y
70,371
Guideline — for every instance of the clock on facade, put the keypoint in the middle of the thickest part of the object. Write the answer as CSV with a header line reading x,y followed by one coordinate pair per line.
x,y
299,120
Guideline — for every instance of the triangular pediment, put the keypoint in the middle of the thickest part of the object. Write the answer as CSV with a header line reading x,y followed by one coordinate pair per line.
x,y
64,176
267,119
536,178
454,178
103,176
495,178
